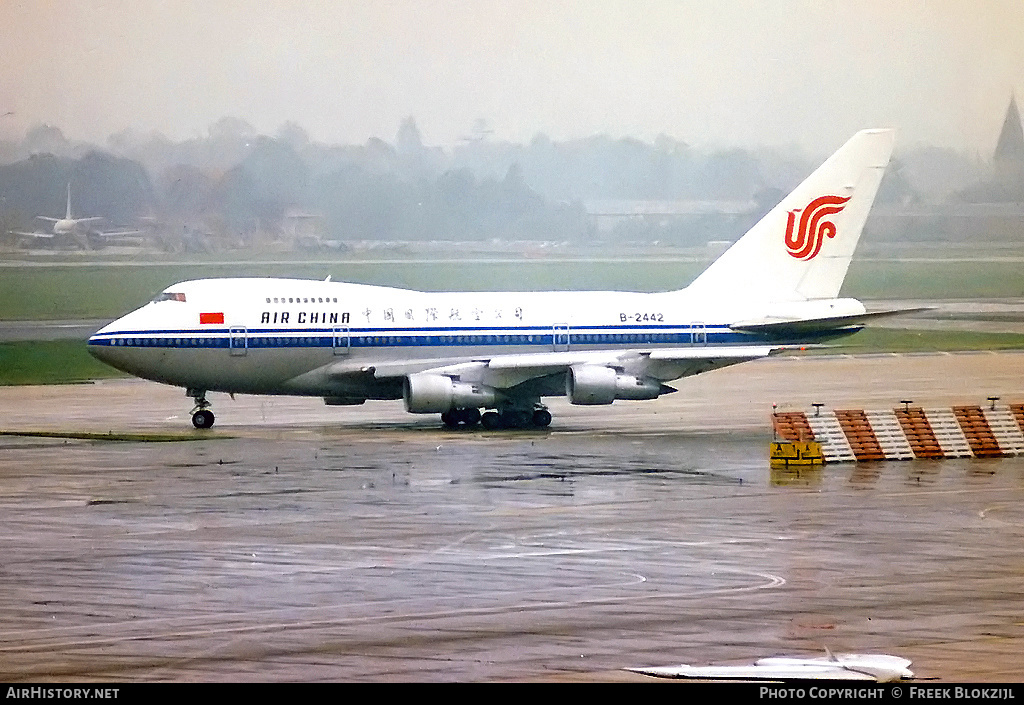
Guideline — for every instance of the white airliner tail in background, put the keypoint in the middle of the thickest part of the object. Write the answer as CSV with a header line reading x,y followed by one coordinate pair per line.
x,y
457,353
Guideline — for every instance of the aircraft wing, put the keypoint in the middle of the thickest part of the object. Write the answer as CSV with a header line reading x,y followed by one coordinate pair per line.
x,y
673,363
880,668
506,371
114,235
37,235
756,673
117,233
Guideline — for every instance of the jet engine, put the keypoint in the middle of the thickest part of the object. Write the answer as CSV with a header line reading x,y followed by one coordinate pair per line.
x,y
427,393
597,384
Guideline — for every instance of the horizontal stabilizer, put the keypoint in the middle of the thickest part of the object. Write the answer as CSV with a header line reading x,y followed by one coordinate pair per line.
x,y
91,219
785,326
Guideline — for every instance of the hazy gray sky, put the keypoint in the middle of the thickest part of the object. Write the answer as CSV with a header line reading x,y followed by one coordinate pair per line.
x,y
765,72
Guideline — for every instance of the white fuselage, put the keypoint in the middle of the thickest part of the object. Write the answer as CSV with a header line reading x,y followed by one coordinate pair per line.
x,y
265,336
65,226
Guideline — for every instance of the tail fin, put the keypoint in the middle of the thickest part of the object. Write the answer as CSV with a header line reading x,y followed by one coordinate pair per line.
x,y
802,248
67,213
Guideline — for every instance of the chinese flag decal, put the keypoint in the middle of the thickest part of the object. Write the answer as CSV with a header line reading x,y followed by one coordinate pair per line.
x,y
205,318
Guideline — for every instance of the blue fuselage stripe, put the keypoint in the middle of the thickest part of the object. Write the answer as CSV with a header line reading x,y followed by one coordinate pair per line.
x,y
421,337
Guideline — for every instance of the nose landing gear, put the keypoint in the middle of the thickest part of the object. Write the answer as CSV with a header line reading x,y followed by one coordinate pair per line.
x,y
202,417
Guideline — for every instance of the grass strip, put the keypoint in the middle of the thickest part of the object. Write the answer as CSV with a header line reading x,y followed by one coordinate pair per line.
x,y
111,436
899,340
50,362
106,291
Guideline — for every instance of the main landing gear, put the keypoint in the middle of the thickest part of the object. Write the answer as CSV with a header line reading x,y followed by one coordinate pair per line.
x,y
538,417
202,417
516,418
459,417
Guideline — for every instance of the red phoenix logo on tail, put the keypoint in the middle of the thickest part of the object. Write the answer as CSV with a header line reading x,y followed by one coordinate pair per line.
x,y
805,243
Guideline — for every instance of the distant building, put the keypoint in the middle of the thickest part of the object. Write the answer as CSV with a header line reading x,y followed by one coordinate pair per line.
x,y
991,210
1005,184
1008,159
681,222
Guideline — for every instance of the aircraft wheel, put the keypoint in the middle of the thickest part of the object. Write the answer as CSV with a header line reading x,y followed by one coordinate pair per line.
x,y
491,421
516,419
541,418
203,418
454,417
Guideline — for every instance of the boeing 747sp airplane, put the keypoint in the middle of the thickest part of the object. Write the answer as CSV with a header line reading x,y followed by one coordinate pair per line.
x,y
457,354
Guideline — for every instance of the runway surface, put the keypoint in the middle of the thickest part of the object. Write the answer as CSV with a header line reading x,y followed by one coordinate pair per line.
x,y
296,541
18,331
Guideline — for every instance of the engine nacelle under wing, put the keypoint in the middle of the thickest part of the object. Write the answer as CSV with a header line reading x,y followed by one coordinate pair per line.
x,y
597,384
427,393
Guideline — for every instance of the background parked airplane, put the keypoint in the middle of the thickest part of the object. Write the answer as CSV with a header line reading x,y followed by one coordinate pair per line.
x,y
75,232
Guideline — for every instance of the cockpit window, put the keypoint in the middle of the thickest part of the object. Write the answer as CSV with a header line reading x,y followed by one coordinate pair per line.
x,y
169,296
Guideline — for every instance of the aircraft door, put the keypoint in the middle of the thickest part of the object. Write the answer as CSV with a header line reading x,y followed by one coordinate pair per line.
x,y
342,340
698,334
560,337
238,341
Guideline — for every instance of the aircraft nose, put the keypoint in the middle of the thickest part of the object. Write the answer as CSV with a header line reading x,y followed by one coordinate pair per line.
x,y
98,345
107,344
124,345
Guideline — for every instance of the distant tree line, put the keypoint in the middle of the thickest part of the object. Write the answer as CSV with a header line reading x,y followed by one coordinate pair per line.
x,y
243,187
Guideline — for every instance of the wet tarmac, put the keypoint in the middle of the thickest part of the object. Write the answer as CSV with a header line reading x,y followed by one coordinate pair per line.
x,y
301,542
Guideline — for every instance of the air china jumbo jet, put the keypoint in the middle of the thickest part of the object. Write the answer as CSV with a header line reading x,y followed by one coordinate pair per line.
x,y
459,353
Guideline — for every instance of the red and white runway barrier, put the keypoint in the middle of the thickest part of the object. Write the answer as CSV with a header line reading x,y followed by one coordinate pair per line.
x,y
908,432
